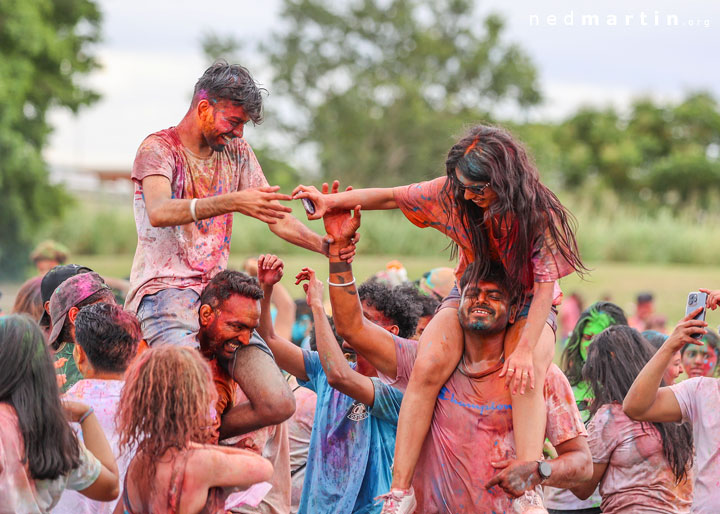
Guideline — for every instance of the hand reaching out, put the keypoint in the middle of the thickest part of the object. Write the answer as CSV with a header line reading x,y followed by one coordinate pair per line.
x,y
270,269
341,225
262,203
313,288
713,298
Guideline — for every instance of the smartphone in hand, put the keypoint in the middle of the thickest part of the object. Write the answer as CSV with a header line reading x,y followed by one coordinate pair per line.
x,y
695,300
309,205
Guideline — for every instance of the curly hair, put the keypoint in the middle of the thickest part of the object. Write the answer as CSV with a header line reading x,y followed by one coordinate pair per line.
x,y
615,359
525,209
227,283
28,384
223,81
165,403
29,299
108,335
396,303
572,361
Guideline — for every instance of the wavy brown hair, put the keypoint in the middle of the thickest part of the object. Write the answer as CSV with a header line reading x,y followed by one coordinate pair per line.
x,y
165,403
525,208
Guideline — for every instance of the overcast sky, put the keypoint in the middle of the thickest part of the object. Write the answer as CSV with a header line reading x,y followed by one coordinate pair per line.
x,y
151,59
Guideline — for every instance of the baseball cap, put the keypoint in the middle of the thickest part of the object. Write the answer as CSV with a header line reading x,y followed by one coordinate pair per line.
x,y
53,279
70,293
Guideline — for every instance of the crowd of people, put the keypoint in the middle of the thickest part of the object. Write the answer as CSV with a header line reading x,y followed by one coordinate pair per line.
x,y
207,389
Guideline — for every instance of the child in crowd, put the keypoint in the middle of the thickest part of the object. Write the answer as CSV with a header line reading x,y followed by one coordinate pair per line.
x,y
165,413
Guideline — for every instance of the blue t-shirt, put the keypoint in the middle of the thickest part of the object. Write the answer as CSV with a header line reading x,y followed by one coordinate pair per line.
x,y
351,446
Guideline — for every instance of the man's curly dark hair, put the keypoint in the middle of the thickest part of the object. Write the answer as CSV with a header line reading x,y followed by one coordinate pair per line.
x,y
428,304
396,303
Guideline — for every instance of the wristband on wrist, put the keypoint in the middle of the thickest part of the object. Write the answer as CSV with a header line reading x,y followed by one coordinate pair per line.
x,y
86,415
341,285
193,202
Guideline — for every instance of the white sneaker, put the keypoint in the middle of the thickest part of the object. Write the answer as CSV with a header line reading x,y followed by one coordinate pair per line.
x,y
398,501
529,503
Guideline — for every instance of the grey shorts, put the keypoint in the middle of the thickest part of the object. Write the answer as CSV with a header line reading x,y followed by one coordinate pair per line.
x,y
171,317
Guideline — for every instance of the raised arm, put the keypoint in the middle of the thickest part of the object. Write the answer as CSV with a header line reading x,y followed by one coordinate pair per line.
x,y
225,466
646,400
368,339
371,199
288,356
339,374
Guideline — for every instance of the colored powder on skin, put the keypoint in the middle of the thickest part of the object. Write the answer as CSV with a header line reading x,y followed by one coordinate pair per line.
x,y
597,322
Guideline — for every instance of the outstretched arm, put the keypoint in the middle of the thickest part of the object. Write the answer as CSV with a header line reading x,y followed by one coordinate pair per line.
x,y
288,356
371,199
339,374
646,400
165,211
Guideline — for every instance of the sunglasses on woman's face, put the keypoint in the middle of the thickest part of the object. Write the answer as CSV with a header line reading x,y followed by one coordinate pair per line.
x,y
476,189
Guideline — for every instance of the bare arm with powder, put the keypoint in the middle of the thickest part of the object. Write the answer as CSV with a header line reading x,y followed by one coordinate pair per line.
x,y
371,199
270,400
339,374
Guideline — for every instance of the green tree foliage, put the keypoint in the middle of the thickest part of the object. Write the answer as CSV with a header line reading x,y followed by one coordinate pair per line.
x,y
382,88
666,152
44,49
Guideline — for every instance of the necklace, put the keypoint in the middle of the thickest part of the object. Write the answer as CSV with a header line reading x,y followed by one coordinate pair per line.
x,y
462,367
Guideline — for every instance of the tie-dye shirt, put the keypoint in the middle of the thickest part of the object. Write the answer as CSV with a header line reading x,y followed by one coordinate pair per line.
x,y
638,478
186,256
19,493
422,205
103,396
699,399
351,446
472,427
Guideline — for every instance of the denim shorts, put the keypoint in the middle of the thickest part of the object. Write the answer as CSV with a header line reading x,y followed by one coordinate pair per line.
x,y
453,300
170,316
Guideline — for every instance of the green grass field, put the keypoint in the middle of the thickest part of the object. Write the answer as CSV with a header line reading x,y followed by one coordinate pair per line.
x,y
618,281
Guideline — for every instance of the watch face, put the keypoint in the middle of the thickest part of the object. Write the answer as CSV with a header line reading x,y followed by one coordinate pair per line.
x,y
544,470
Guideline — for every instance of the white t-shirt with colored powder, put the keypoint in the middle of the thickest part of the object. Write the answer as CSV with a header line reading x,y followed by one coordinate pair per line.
x,y
699,400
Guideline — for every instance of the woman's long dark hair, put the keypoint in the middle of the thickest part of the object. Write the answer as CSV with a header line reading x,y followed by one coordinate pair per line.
x,y
525,209
28,383
614,360
572,362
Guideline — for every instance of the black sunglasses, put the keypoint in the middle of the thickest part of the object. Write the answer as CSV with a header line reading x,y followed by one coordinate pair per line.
x,y
475,189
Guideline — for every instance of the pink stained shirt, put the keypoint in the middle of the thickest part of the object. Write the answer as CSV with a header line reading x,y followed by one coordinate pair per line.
x,y
422,205
699,399
472,427
638,478
185,256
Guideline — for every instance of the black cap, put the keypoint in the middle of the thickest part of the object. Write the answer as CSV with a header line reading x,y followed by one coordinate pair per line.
x,y
53,279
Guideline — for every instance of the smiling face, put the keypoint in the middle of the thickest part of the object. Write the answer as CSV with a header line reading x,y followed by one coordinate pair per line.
x,y
220,122
484,307
674,369
472,192
225,328
699,361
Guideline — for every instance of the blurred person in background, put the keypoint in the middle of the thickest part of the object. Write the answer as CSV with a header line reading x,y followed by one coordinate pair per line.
x,y
164,414
591,322
699,359
569,314
29,299
644,313
438,282
640,467
657,339
106,342
47,255
40,455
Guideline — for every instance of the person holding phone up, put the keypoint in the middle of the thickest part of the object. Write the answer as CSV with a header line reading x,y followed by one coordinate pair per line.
x,y
695,400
